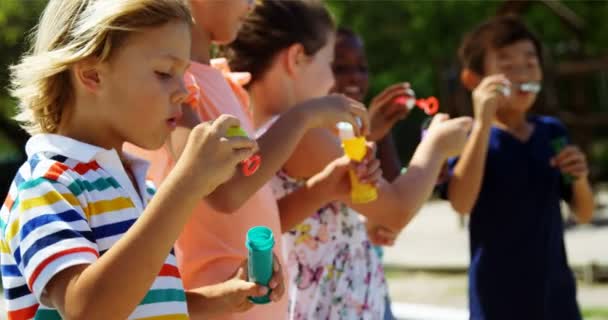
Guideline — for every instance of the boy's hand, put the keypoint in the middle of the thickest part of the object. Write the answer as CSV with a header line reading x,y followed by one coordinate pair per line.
x,y
571,160
334,180
381,236
449,135
384,112
327,111
488,96
209,158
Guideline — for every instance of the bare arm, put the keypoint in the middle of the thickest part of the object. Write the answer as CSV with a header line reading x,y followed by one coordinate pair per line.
x,y
331,184
98,290
465,183
404,197
275,147
397,202
582,200
277,144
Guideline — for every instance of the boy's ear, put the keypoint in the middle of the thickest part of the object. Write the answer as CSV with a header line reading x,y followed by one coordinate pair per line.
x,y
86,74
469,78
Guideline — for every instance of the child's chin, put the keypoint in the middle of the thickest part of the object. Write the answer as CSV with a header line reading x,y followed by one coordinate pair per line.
x,y
152,144
524,104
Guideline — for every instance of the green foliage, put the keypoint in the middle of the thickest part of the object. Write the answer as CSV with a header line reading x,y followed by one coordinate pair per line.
x,y
17,18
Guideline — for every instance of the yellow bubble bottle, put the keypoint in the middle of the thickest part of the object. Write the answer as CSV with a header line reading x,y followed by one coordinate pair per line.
x,y
355,148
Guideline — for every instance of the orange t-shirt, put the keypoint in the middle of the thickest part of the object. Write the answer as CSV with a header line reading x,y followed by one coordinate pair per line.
x,y
212,244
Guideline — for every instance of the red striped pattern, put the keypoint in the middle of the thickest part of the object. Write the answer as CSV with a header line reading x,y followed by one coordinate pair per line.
x,y
22,314
54,257
83,168
169,271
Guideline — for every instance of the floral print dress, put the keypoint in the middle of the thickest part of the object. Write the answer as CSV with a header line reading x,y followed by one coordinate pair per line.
x,y
333,270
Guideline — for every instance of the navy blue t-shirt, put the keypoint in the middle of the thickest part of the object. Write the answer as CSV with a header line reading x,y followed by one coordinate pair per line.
x,y
519,268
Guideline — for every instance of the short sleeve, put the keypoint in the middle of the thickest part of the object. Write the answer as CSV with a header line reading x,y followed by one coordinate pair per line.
x,y
47,232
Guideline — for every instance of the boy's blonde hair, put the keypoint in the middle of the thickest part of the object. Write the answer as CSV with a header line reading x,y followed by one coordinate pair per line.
x,y
70,31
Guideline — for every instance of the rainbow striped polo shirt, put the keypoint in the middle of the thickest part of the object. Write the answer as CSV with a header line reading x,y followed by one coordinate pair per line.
x,y
68,204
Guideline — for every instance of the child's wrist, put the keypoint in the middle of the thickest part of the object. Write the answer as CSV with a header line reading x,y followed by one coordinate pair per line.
x,y
435,146
203,183
481,123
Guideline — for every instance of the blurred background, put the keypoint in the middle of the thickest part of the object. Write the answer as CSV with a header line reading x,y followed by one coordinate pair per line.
x,y
416,41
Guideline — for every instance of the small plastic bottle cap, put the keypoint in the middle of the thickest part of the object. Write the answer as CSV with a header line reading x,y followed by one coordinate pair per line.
x,y
259,238
345,130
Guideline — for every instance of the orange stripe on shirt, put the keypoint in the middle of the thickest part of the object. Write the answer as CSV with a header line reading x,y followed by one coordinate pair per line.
x,y
55,171
8,202
54,257
22,314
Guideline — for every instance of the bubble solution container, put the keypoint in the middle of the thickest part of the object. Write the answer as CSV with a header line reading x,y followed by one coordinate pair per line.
x,y
260,242
355,148
558,144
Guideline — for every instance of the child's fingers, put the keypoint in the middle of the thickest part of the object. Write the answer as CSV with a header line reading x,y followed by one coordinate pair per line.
x,y
277,292
242,154
276,266
223,122
577,169
359,117
463,123
438,118
239,143
567,152
241,272
387,98
371,173
568,157
277,287
491,81
389,91
251,289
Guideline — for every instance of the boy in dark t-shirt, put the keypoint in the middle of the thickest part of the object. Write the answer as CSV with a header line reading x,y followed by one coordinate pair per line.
x,y
511,178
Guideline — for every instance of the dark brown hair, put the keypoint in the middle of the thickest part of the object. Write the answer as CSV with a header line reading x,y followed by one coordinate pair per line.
x,y
495,33
275,25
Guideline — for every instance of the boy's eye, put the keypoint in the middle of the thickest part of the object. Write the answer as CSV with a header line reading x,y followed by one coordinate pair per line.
x,y
163,75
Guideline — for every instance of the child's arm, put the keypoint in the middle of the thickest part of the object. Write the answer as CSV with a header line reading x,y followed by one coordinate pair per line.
x,y
445,138
384,113
277,144
331,184
112,286
465,183
397,201
573,162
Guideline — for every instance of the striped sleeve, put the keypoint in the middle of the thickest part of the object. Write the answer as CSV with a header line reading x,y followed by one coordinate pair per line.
x,y
47,232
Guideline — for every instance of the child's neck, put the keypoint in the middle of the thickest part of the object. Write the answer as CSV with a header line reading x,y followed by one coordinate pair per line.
x,y
514,122
71,127
263,100
201,46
